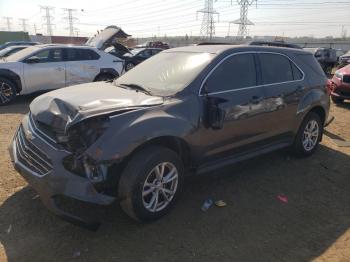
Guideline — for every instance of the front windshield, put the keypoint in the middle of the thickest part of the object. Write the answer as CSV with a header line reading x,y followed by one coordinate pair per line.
x,y
22,54
136,51
166,73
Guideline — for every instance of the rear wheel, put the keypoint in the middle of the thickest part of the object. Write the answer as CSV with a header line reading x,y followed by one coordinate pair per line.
x,y
308,136
7,91
151,183
337,100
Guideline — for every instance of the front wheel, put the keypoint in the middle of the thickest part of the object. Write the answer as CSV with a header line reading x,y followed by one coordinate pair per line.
x,y
151,183
7,91
308,136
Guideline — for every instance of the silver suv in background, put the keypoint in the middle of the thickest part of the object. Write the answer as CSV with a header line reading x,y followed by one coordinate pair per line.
x,y
47,67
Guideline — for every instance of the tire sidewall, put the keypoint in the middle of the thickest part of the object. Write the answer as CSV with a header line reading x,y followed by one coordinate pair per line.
x,y
14,91
138,177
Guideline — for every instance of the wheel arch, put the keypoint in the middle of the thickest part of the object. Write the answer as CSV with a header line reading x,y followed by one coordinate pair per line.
x,y
13,77
107,71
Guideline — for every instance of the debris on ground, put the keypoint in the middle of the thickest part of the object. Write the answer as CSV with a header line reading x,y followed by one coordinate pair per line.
x,y
207,204
283,198
220,203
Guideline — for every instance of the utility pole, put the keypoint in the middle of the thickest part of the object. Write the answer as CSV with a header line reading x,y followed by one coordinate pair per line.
x,y
71,19
35,30
8,22
208,23
243,21
343,32
23,24
48,19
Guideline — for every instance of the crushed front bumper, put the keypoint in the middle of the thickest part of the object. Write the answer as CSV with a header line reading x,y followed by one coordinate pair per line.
x,y
39,161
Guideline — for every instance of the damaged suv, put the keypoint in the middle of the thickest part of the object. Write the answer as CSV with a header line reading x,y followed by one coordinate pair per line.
x,y
186,110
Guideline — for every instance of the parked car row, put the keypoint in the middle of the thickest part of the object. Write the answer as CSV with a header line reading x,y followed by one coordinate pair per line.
x,y
183,111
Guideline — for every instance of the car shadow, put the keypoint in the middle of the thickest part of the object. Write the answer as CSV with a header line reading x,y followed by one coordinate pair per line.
x,y
345,104
20,105
254,226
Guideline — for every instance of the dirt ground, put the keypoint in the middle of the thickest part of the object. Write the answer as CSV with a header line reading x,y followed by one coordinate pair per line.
x,y
255,226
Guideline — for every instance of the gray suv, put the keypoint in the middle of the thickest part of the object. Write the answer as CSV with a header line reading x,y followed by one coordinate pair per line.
x,y
186,110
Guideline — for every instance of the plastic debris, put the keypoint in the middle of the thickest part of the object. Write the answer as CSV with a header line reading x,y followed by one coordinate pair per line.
x,y
220,203
283,198
207,204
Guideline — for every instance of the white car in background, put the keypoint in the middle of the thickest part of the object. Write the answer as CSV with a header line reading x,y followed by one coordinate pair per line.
x,y
48,67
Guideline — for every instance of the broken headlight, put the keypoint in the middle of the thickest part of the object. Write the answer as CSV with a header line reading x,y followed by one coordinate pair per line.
x,y
84,134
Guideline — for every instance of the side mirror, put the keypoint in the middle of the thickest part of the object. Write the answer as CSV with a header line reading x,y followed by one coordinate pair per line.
x,y
32,60
215,114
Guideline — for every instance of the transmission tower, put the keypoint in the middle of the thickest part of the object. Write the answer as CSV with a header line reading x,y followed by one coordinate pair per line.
x,y
23,24
243,21
8,22
71,19
208,22
48,18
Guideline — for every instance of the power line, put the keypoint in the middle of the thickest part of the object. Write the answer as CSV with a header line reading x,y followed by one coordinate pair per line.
x,y
71,19
23,24
8,22
48,18
208,27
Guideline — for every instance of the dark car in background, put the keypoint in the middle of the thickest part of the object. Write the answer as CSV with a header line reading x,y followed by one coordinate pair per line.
x,y
186,110
340,85
13,43
344,59
138,55
154,44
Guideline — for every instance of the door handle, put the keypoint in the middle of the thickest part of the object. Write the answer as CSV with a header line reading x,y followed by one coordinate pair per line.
x,y
256,99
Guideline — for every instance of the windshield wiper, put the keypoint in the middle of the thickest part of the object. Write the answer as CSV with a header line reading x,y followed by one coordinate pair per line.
x,y
136,87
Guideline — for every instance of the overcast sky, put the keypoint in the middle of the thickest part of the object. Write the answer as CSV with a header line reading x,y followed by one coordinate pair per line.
x,y
139,18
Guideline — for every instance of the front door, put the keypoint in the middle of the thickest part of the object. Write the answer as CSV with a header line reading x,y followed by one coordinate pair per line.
x,y
234,86
47,73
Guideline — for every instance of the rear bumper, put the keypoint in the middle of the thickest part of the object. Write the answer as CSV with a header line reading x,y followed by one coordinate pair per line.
x,y
55,182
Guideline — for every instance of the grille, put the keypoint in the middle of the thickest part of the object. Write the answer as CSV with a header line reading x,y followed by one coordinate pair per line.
x,y
31,156
346,79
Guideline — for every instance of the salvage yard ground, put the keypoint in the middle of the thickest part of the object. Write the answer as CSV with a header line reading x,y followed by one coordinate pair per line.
x,y
254,226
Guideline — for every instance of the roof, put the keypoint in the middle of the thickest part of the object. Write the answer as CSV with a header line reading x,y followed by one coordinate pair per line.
x,y
217,49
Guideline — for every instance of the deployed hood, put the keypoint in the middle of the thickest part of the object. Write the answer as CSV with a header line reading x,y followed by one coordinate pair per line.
x,y
65,107
107,38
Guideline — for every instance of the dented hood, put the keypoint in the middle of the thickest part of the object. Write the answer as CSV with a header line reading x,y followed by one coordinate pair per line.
x,y
65,107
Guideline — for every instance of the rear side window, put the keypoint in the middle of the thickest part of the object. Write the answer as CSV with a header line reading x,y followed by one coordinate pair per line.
x,y
275,68
297,74
74,54
236,72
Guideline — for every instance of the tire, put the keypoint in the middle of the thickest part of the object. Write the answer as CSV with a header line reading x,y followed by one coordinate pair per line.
x,y
104,77
129,66
337,100
7,91
301,147
135,195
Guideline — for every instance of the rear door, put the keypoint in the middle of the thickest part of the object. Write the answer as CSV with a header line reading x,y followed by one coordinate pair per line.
x,y
81,65
48,73
233,85
283,88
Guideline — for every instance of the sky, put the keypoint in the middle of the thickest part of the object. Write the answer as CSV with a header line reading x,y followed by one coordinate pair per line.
x,y
142,18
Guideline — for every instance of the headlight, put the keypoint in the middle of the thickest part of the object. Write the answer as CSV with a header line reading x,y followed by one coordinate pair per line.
x,y
339,75
84,134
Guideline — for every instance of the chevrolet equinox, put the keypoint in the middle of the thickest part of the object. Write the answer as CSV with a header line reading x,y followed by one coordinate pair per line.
x,y
185,110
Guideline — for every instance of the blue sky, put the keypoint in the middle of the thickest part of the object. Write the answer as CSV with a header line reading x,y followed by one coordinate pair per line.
x,y
140,18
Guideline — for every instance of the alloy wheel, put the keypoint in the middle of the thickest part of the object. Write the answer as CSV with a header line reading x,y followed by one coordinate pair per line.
x,y
160,187
311,135
5,92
